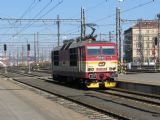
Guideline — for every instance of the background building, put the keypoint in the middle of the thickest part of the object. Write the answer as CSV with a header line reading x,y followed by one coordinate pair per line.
x,y
140,42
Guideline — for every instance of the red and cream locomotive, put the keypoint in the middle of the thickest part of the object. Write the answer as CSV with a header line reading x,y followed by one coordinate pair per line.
x,y
91,62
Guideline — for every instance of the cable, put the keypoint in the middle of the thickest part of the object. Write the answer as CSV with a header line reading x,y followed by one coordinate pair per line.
x,y
135,7
93,7
112,24
52,8
29,24
42,9
140,5
26,27
35,26
31,6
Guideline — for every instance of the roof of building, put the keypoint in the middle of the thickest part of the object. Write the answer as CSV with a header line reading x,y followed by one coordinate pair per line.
x,y
144,24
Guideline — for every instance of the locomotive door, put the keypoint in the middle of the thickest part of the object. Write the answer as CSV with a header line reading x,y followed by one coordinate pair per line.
x,y
80,59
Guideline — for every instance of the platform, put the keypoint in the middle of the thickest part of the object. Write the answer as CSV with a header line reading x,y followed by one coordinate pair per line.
x,y
141,82
17,103
144,78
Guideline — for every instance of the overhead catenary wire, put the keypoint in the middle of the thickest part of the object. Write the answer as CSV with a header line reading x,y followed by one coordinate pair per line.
x,y
31,6
86,10
32,22
60,2
127,10
122,11
40,17
92,7
29,24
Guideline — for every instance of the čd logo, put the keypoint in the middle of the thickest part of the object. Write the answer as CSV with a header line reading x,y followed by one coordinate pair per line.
x,y
101,64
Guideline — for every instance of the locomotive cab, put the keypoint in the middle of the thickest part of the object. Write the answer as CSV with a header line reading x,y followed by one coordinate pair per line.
x,y
101,64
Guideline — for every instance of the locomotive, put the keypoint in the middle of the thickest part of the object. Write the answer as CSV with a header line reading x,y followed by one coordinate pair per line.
x,y
87,61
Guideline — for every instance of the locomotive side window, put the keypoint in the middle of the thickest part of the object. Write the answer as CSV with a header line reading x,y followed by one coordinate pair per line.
x,y
52,55
108,50
56,58
93,50
73,56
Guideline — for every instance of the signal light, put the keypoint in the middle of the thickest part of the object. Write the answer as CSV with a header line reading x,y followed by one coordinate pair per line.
x,y
5,47
28,47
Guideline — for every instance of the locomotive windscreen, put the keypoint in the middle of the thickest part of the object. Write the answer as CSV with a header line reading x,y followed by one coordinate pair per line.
x,y
108,50
93,50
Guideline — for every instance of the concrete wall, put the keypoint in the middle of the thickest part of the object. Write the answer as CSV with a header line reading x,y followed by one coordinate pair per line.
x,y
151,89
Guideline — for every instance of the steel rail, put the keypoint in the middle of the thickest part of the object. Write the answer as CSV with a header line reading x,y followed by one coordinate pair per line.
x,y
130,96
136,93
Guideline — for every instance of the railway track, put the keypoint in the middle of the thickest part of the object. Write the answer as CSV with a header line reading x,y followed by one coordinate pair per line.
x,y
136,93
101,102
144,98
87,110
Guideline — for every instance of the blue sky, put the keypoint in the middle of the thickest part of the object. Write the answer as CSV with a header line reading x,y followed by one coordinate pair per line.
x,y
100,12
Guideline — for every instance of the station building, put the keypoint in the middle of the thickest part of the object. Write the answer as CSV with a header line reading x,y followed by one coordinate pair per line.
x,y
140,42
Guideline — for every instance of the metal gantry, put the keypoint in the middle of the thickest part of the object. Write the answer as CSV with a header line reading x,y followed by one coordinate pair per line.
x,y
140,42
119,40
32,21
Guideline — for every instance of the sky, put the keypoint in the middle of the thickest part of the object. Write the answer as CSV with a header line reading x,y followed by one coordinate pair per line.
x,y
100,12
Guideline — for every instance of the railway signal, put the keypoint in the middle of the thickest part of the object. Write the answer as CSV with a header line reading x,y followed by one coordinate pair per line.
x,y
5,47
5,55
28,55
28,47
